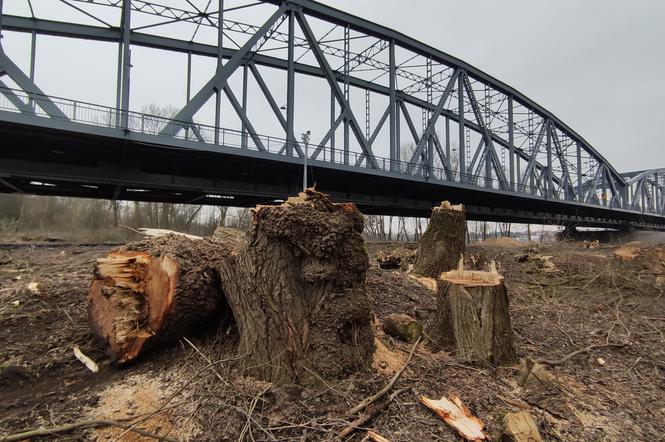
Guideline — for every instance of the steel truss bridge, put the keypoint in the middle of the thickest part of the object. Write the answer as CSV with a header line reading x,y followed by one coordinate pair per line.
x,y
397,126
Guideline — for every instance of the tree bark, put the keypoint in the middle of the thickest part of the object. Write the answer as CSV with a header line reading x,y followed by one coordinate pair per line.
x,y
443,242
155,291
473,318
296,288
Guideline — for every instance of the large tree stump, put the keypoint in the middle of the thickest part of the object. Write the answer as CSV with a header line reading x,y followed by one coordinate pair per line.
x,y
297,291
154,291
473,317
443,242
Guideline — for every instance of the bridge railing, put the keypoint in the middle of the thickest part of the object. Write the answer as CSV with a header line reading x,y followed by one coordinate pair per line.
x,y
107,116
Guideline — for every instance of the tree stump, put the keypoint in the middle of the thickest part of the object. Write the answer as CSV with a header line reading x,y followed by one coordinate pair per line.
x,y
443,242
154,291
297,291
473,318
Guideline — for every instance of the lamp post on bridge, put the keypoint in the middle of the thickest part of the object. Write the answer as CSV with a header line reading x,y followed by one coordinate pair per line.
x,y
305,140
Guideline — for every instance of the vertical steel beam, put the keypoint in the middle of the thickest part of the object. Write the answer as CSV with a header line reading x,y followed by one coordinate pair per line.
x,y
580,184
220,62
393,104
0,19
245,69
126,61
448,163
398,124
188,87
460,112
290,86
332,126
347,52
550,187
33,54
368,127
511,143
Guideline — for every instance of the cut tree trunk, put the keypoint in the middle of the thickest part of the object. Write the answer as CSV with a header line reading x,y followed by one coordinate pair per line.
x,y
155,291
472,316
443,242
297,291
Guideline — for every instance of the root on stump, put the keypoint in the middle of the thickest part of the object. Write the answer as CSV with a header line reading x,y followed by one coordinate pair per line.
x,y
473,318
443,242
297,291
154,291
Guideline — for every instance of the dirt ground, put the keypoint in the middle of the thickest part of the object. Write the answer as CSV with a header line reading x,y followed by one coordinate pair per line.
x,y
191,391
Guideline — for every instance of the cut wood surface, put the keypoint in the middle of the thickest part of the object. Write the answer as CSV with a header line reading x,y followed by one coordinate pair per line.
x,y
296,288
473,317
154,290
520,427
443,242
156,233
458,416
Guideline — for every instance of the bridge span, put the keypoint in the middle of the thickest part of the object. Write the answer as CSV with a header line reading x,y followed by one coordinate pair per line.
x,y
394,125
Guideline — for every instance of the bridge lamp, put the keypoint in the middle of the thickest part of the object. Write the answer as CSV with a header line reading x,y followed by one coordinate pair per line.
x,y
305,139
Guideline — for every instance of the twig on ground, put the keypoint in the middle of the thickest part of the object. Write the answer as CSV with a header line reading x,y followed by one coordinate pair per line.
x,y
569,356
252,406
374,412
42,432
362,405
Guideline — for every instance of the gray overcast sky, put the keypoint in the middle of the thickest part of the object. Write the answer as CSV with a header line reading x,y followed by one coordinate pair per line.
x,y
598,65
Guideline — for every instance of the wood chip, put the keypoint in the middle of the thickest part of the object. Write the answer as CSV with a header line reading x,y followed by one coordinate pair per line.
x,y
376,437
458,416
89,363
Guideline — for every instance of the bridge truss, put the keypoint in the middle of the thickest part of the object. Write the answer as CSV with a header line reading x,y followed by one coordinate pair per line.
x,y
385,104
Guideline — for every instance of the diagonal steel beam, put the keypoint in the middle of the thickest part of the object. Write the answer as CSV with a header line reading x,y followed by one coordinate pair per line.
x,y
594,184
28,86
219,79
328,135
534,152
14,99
332,80
489,145
273,104
442,156
432,121
567,181
243,116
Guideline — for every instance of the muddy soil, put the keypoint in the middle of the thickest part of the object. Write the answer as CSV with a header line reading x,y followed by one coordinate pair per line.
x,y
192,390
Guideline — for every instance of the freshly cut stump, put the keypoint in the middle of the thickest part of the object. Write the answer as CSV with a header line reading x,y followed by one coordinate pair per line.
x,y
443,242
154,291
473,318
296,289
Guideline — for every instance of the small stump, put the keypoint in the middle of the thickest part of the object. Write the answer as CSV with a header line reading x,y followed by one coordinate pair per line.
x,y
443,242
473,318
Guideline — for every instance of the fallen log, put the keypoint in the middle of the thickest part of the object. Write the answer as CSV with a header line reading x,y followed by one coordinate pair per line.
x,y
402,327
443,242
472,316
296,288
155,290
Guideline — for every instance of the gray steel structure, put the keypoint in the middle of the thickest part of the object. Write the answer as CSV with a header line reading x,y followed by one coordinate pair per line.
x,y
478,140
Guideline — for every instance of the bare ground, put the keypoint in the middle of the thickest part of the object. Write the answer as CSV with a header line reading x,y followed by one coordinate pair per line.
x,y
192,392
